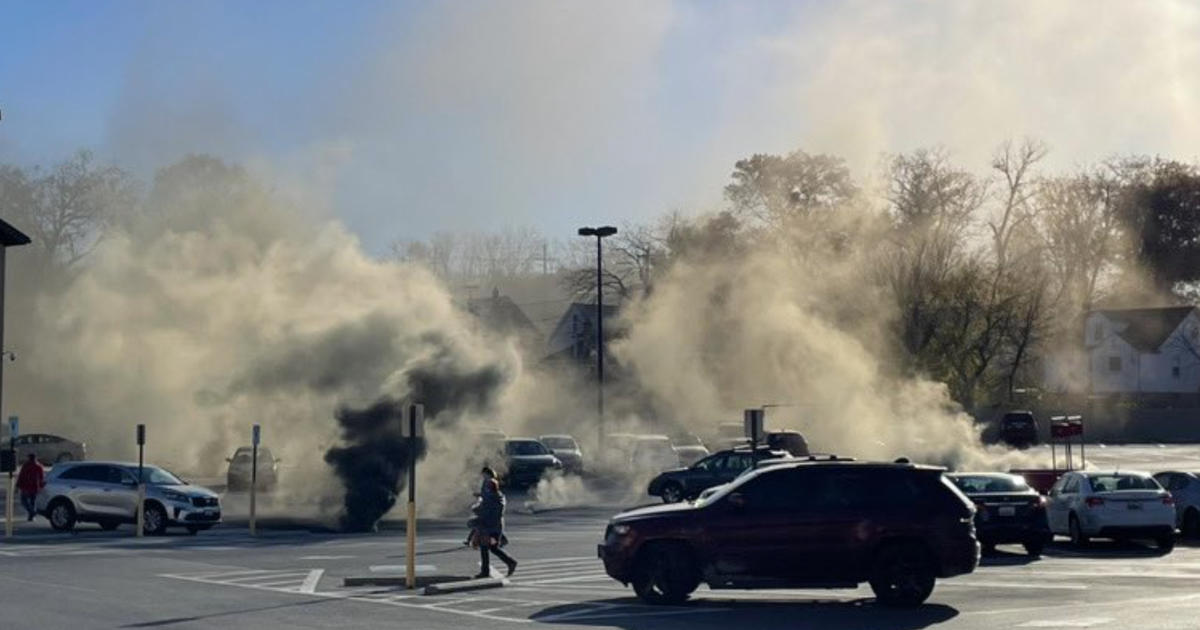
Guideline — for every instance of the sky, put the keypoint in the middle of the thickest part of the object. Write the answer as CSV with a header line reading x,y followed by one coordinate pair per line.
x,y
403,119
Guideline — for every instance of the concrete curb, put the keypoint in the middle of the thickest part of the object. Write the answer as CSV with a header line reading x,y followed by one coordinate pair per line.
x,y
463,586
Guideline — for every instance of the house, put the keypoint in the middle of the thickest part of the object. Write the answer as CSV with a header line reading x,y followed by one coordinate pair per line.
x,y
1142,351
501,315
574,337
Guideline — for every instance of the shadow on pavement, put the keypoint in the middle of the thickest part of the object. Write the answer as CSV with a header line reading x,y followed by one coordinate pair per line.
x,y
1131,549
766,614
161,623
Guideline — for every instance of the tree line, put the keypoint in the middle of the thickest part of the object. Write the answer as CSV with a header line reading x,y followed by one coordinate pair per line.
x,y
984,272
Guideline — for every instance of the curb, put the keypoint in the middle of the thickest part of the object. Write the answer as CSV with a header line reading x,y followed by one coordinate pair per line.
x,y
463,586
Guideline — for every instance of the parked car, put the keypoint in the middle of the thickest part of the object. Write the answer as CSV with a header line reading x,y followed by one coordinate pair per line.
x,y
1118,505
106,493
689,448
721,467
618,448
1007,510
1019,429
801,524
1185,489
526,461
791,441
653,453
49,449
566,449
237,477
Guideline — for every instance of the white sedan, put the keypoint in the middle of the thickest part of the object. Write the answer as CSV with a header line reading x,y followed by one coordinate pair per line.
x,y
1118,505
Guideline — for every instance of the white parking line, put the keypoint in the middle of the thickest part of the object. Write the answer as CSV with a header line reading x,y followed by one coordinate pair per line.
x,y
310,582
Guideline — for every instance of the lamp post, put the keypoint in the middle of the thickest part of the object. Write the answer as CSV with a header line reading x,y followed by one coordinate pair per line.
x,y
9,237
600,233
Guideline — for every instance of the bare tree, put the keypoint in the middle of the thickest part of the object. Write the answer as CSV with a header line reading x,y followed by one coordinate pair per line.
x,y
66,210
776,190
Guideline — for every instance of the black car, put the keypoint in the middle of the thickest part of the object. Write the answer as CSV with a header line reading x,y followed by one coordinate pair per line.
x,y
525,462
721,467
1007,510
1019,429
801,523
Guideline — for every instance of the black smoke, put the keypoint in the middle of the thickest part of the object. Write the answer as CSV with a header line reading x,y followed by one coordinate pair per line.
x,y
373,461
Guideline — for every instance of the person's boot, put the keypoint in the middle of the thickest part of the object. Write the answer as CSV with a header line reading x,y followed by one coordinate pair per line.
x,y
512,566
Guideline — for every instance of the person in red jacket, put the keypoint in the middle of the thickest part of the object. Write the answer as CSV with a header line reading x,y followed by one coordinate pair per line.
x,y
30,481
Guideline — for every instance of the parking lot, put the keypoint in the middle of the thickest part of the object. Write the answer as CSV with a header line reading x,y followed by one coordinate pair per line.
x,y
293,576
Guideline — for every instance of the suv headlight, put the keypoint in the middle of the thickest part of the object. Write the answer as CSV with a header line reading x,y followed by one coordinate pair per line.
x,y
172,495
620,529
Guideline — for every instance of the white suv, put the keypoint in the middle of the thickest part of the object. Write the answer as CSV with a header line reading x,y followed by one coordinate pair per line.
x,y
106,493
1117,505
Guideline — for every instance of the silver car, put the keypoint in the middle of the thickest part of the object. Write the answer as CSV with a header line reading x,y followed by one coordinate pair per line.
x,y
106,493
566,449
49,449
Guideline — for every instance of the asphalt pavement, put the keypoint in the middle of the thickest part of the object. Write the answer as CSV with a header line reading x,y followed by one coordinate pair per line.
x,y
292,577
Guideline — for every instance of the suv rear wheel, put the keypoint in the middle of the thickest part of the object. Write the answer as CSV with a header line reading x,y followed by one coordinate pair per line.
x,y
62,515
665,574
903,575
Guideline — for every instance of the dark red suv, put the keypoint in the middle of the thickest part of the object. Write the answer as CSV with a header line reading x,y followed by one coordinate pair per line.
x,y
814,523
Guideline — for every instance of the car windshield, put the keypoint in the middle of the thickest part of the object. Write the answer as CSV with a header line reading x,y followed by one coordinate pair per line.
x,y
524,447
245,455
154,476
1118,481
978,484
562,443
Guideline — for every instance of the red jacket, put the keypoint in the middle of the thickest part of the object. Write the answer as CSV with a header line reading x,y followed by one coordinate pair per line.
x,y
31,478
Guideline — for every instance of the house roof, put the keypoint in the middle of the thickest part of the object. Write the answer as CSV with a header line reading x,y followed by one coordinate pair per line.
x,y
11,236
1147,328
501,314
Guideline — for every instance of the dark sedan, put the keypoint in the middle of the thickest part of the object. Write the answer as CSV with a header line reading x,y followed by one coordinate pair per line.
x,y
1007,510
721,467
526,461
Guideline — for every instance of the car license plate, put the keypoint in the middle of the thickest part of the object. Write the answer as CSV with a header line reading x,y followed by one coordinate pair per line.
x,y
1007,510
1134,506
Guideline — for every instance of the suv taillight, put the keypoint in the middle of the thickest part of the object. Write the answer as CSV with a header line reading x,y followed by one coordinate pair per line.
x,y
1093,502
1168,500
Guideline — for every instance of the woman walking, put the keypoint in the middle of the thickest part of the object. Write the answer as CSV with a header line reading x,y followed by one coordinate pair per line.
x,y
489,524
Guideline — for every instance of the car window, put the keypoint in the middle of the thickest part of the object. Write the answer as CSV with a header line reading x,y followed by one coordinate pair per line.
x,y
1178,482
87,472
738,462
1116,482
525,447
1070,485
115,475
977,484
560,443
713,463
775,491
155,476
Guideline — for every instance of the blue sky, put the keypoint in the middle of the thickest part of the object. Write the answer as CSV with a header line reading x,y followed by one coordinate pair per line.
x,y
407,118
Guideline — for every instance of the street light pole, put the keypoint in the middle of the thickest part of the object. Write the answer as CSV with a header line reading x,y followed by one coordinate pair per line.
x,y
599,233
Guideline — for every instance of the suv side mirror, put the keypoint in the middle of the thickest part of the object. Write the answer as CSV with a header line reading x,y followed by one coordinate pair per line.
x,y
228,460
737,500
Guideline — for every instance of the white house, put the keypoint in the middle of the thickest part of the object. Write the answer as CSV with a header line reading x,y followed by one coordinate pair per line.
x,y
1140,351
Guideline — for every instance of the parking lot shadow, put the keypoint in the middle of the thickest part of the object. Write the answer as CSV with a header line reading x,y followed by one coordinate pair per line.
x,y
1131,549
760,614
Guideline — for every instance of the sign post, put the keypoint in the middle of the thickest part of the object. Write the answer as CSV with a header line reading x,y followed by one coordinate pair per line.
x,y
254,437
141,500
753,424
412,427
11,465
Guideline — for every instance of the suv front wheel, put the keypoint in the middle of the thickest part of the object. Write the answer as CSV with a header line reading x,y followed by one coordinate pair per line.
x,y
903,575
665,574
